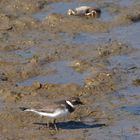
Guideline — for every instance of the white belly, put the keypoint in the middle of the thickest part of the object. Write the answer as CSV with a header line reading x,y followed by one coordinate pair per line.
x,y
56,114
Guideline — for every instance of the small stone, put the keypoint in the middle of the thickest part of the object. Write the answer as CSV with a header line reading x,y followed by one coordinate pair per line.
x,y
136,82
33,61
3,77
37,85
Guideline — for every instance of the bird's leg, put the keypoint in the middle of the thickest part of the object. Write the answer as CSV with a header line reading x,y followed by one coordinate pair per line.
x,y
50,124
54,123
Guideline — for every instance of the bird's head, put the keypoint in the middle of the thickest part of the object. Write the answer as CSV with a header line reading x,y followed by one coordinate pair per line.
x,y
75,101
71,12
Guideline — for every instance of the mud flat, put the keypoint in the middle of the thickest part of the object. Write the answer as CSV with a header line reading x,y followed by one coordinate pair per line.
x,y
46,55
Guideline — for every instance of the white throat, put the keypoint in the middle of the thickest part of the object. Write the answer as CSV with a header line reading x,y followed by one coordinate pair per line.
x,y
69,103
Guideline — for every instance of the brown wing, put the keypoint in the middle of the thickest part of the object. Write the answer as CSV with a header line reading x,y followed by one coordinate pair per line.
x,y
50,108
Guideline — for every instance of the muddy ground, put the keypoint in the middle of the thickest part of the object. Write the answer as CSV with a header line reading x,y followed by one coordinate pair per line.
x,y
46,56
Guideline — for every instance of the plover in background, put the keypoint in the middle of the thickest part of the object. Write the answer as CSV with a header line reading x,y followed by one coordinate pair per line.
x,y
56,110
85,11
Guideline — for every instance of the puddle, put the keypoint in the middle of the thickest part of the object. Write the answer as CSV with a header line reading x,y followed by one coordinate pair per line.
x,y
123,2
132,109
131,65
123,61
59,7
62,8
128,92
25,53
85,38
65,74
127,2
128,34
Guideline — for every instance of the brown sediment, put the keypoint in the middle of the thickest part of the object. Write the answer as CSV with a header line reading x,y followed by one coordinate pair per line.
x,y
30,48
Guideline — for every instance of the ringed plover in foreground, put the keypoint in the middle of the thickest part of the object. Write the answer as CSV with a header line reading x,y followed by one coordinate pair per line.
x,y
56,110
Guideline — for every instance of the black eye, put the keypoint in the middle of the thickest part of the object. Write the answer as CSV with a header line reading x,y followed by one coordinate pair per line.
x,y
77,102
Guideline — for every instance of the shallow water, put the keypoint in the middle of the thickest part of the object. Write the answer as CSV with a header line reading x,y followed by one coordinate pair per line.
x,y
62,8
27,54
64,74
125,62
119,111
86,38
127,2
128,92
132,109
128,34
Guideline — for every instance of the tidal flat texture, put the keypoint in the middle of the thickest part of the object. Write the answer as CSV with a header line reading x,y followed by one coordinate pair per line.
x,y
47,55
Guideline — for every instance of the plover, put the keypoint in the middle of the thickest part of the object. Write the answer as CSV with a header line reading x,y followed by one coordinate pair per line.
x,y
56,110
85,11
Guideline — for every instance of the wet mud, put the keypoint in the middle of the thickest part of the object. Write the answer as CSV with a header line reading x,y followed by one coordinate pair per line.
x,y
47,55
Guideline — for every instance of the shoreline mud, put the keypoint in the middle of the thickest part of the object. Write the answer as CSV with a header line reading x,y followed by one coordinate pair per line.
x,y
46,55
